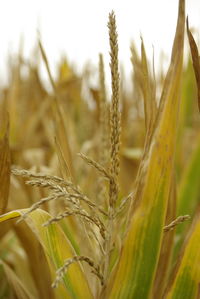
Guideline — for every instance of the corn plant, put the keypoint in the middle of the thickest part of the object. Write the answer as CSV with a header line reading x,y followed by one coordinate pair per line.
x,y
121,218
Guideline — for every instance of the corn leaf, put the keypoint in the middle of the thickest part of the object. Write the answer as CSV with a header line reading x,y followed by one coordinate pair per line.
x,y
37,260
60,123
186,282
195,60
187,105
149,91
188,193
141,248
4,164
163,267
189,185
57,249
16,285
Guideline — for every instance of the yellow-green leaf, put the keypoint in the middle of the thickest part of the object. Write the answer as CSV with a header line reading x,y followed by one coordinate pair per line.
x,y
16,285
57,249
37,260
189,186
189,192
163,266
186,282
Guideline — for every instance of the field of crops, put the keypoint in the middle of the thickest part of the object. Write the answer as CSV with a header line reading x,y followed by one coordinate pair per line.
x,y
99,194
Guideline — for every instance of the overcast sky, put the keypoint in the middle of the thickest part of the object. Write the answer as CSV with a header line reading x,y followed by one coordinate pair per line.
x,y
79,27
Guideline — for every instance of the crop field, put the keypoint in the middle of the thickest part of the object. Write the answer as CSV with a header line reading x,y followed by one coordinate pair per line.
x,y
100,193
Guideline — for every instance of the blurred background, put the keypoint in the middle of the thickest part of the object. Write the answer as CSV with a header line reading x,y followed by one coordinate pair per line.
x,y
78,29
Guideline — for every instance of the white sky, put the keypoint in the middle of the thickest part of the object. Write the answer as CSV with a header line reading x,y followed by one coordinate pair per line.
x,y
79,27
